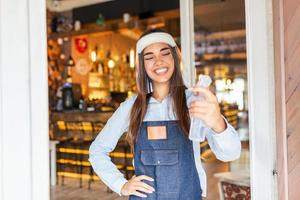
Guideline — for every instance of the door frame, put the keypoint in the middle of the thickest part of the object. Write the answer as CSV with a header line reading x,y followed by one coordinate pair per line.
x,y
261,90
24,141
32,22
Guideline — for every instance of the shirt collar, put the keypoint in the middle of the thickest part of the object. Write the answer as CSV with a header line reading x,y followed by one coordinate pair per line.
x,y
155,101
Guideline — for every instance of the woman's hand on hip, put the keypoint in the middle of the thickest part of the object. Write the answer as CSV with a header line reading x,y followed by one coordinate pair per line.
x,y
135,186
208,110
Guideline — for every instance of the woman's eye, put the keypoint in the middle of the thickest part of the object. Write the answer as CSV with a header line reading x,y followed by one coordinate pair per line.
x,y
165,53
148,58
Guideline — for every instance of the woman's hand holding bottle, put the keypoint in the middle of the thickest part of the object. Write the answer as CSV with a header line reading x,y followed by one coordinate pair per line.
x,y
207,110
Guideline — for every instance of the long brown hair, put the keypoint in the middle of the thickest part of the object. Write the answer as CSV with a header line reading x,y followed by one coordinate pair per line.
x,y
177,94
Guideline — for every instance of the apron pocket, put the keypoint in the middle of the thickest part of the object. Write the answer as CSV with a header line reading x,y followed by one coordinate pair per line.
x,y
165,163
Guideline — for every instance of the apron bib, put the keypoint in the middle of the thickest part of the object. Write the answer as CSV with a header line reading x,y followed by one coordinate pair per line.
x,y
165,154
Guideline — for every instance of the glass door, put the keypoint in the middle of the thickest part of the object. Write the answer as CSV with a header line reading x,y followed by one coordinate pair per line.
x,y
220,52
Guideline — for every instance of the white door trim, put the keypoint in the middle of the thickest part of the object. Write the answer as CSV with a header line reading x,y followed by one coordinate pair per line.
x,y
261,90
24,152
39,100
1,113
187,41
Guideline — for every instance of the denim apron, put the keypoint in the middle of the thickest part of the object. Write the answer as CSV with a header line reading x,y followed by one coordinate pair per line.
x,y
170,162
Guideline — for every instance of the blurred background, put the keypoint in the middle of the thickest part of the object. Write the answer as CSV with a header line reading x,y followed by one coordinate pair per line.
x,y
91,55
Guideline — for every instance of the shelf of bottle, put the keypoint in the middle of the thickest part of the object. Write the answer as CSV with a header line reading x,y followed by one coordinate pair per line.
x,y
231,56
133,28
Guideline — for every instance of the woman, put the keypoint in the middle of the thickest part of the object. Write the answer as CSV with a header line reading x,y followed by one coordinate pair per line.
x,y
157,121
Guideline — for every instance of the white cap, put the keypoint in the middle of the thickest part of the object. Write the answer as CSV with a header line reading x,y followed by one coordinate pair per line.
x,y
154,38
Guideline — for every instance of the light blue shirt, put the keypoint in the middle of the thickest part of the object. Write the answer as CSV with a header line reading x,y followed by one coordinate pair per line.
x,y
226,145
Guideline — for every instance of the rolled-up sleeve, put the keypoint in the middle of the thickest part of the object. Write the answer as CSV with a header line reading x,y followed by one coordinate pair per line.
x,y
105,143
225,145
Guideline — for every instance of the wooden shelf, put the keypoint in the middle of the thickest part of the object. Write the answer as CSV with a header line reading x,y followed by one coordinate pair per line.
x,y
231,56
132,29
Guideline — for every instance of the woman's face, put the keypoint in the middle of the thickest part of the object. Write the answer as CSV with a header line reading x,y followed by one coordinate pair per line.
x,y
159,62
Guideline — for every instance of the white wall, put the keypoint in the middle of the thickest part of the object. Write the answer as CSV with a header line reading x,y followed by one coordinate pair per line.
x,y
23,101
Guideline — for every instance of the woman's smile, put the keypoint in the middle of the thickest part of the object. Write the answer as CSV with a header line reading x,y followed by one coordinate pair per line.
x,y
161,70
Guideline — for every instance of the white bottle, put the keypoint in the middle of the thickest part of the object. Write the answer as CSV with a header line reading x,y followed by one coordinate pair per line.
x,y
197,126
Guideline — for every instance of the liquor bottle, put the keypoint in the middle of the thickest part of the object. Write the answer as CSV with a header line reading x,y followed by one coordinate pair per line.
x,y
67,96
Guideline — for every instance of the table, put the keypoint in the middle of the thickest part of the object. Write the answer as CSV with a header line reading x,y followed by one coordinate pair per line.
x,y
239,178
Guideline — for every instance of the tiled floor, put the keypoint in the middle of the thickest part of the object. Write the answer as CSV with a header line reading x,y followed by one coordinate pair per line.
x,y
71,191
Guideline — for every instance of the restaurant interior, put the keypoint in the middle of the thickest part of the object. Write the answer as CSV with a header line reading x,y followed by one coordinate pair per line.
x,y
91,70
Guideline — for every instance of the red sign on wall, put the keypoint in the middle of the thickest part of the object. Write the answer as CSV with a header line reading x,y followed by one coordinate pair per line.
x,y
81,44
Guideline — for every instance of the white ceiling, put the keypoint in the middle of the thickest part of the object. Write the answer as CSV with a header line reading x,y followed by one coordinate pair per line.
x,y
64,5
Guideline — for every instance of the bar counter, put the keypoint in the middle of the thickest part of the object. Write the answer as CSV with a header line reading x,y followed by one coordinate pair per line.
x,y
77,115
74,131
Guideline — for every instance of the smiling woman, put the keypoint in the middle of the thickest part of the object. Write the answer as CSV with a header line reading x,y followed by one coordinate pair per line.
x,y
157,122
